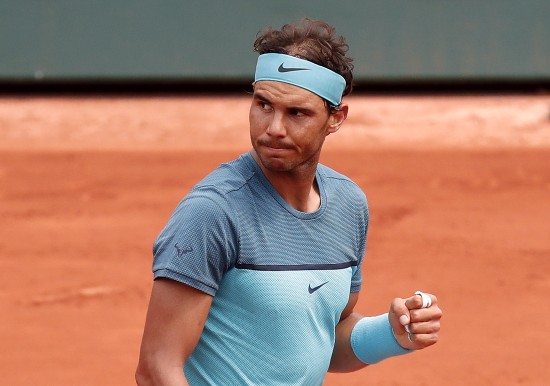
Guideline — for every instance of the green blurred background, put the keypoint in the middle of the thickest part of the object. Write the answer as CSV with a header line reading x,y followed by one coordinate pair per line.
x,y
208,41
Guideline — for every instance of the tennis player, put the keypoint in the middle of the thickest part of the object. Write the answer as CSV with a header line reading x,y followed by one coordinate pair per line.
x,y
258,270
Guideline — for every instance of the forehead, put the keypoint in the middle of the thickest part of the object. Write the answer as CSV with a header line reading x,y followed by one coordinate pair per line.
x,y
285,93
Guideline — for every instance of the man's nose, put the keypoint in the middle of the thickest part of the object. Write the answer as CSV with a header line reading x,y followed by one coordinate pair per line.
x,y
276,126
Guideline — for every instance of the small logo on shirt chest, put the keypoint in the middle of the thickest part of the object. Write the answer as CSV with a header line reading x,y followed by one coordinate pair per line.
x,y
311,289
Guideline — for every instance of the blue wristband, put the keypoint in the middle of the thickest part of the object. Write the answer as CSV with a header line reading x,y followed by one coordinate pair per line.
x,y
372,340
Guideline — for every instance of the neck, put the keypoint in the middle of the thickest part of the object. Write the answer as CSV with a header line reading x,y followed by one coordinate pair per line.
x,y
302,195
298,187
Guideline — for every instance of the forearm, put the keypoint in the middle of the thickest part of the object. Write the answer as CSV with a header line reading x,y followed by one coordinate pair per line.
x,y
343,359
157,375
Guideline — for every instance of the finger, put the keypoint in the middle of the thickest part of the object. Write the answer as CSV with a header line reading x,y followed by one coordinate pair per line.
x,y
399,315
421,341
418,300
425,326
425,314
426,299
413,303
433,313
429,327
424,334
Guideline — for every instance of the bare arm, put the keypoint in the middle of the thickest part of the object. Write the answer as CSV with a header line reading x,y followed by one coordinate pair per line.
x,y
343,358
424,324
175,320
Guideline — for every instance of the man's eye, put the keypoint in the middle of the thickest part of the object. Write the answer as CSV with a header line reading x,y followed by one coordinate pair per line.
x,y
296,112
264,106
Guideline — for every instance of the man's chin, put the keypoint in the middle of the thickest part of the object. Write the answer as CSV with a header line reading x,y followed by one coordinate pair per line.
x,y
274,164
274,160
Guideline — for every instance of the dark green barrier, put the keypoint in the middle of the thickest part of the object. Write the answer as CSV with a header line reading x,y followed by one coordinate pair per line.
x,y
212,40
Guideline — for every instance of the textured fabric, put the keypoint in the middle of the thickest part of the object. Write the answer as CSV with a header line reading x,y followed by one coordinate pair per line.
x,y
302,73
372,340
280,278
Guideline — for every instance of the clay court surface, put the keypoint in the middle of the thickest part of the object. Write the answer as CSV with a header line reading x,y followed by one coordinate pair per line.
x,y
459,190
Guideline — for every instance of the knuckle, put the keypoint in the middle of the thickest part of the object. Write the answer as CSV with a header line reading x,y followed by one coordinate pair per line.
x,y
434,328
434,338
428,339
396,304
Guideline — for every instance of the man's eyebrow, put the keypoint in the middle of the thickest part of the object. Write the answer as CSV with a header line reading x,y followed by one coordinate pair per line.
x,y
258,95
306,109
303,110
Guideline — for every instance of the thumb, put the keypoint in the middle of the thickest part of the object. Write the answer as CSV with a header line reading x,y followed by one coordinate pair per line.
x,y
404,320
399,316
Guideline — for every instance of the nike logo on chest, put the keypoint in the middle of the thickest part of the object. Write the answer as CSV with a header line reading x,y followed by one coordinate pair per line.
x,y
311,289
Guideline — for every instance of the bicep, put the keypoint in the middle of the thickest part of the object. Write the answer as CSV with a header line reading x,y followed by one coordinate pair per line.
x,y
175,320
352,301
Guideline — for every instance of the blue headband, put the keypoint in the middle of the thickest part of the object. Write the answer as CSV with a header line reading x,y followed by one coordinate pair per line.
x,y
302,73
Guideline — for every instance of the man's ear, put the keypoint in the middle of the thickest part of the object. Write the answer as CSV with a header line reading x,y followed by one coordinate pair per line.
x,y
337,117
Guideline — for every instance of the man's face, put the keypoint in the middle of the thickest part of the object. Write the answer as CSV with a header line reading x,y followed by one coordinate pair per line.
x,y
288,126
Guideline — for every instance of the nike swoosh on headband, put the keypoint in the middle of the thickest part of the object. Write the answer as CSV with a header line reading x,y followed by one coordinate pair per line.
x,y
319,80
282,68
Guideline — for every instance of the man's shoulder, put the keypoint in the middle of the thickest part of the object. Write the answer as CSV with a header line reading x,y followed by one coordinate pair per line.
x,y
228,177
339,182
332,174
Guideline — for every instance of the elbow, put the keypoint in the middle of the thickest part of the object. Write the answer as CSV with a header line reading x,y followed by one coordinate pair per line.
x,y
143,375
157,371
148,372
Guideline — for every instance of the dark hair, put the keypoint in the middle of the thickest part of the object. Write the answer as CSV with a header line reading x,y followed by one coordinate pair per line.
x,y
312,40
